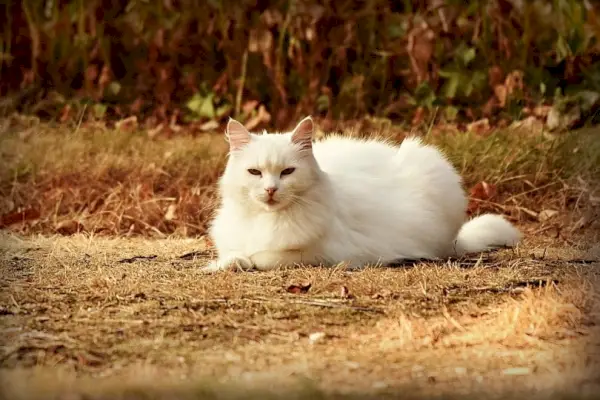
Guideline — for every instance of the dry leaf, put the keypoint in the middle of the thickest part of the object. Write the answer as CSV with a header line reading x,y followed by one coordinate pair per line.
x,y
541,111
262,116
69,227
345,293
479,127
208,242
153,132
65,113
298,289
20,215
209,126
501,93
128,124
530,124
495,76
137,105
513,82
419,116
382,294
249,106
420,50
489,107
545,215
170,214
481,191
260,41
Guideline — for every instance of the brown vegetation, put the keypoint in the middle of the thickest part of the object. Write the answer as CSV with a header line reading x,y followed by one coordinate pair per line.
x,y
268,63
93,179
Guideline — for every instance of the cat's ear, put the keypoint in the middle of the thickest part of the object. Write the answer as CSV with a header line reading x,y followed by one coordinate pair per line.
x,y
237,135
303,133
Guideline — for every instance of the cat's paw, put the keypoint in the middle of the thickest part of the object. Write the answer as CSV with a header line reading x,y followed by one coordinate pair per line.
x,y
231,263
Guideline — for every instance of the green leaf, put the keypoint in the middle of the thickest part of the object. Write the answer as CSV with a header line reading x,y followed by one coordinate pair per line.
x,y
395,31
223,110
450,113
323,103
468,55
424,95
451,86
562,49
114,88
202,106
99,110
476,82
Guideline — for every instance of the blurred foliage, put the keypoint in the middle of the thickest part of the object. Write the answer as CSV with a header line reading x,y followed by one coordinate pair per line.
x,y
264,62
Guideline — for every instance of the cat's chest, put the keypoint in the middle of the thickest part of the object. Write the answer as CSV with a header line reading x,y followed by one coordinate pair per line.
x,y
281,232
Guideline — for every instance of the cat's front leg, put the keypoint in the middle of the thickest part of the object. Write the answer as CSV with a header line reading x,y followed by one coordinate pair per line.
x,y
228,262
267,260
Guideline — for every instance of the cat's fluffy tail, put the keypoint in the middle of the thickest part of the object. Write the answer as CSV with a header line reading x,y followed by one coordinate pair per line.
x,y
486,232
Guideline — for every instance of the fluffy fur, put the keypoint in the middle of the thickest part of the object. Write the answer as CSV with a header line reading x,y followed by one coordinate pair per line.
x,y
347,200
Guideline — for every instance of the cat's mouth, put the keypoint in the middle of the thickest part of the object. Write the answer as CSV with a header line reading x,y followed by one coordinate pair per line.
x,y
271,201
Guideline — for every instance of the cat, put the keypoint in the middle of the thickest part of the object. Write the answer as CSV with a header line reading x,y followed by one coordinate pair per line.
x,y
286,200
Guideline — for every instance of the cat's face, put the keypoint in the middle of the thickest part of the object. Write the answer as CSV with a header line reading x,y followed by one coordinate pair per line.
x,y
272,171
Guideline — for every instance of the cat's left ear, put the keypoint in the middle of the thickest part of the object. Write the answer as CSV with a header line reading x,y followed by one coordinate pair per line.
x,y
237,135
303,133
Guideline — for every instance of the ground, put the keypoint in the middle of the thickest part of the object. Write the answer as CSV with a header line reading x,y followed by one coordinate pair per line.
x,y
102,297
138,313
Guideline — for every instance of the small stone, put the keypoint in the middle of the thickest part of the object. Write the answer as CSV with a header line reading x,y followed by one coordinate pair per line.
x,y
380,385
353,365
418,368
315,337
516,371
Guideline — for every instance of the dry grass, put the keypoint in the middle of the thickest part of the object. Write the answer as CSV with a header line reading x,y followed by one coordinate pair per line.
x,y
97,180
122,311
80,308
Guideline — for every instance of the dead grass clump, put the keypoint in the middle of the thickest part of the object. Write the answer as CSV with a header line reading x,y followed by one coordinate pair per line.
x,y
527,321
108,182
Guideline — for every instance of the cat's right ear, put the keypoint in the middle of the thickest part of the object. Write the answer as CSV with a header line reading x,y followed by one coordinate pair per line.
x,y
303,133
237,135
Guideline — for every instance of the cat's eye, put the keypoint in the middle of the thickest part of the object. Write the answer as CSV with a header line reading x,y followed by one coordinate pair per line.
x,y
254,171
287,171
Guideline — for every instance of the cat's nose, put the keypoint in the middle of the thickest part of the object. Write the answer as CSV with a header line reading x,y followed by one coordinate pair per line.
x,y
271,191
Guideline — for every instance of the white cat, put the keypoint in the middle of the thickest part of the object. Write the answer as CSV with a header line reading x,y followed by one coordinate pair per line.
x,y
287,200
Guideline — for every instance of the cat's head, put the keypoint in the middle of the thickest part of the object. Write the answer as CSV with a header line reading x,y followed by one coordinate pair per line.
x,y
271,171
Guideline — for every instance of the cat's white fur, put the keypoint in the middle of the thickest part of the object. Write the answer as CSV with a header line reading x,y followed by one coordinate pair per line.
x,y
349,200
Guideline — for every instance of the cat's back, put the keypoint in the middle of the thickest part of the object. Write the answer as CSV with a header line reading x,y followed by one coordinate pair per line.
x,y
343,154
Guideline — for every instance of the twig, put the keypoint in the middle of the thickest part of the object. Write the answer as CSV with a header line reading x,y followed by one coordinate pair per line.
x,y
136,258
195,254
315,303
81,118
240,91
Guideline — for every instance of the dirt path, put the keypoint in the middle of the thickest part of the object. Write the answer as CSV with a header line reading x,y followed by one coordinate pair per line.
x,y
137,318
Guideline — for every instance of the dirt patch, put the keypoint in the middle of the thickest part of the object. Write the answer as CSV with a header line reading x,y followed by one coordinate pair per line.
x,y
137,313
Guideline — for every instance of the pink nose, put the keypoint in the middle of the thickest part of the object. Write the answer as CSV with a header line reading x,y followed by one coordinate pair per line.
x,y
271,191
